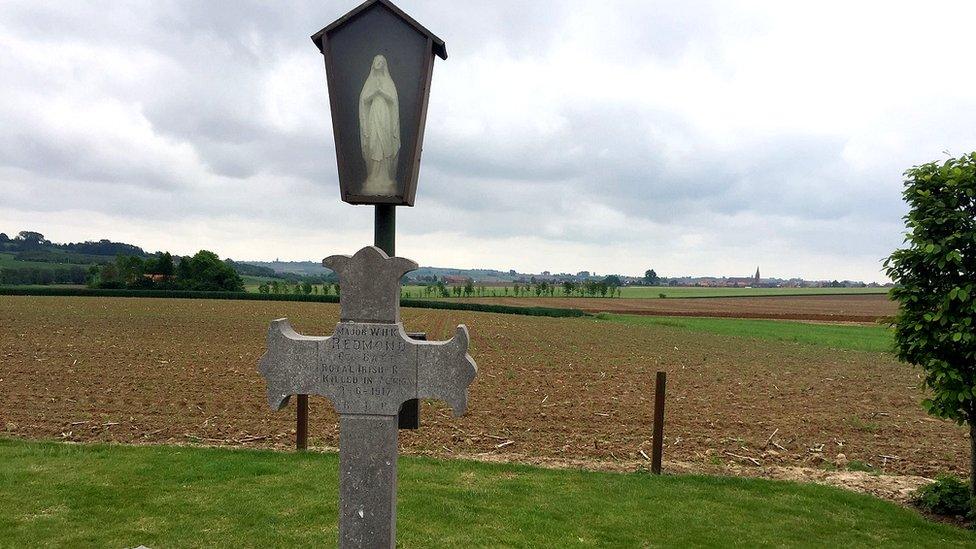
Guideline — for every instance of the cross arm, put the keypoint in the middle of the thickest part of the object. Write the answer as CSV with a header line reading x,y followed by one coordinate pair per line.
x,y
445,370
287,362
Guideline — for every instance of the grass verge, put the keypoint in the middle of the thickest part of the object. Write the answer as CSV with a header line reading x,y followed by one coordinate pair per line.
x,y
836,336
55,494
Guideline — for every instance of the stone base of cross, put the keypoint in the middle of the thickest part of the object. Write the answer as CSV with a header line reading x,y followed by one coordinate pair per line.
x,y
368,368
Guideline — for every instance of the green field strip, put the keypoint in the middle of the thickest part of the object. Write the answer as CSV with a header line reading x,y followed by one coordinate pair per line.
x,y
856,337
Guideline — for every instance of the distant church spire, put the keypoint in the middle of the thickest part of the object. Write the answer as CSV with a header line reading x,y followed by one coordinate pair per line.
x,y
757,274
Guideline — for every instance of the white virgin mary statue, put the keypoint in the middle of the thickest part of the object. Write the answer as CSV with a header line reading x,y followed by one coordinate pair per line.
x,y
379,129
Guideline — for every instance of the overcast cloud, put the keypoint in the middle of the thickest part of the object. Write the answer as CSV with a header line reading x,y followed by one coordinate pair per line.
x,y
692,137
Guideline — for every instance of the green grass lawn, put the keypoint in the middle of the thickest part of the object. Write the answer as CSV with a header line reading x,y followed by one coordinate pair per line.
x,y
655,291
837,336
121,496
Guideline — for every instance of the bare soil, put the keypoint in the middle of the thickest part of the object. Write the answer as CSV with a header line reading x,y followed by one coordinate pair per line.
x,y
831,308
568,391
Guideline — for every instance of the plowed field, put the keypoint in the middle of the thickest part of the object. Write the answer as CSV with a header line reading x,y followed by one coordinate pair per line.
x,y
561,390
830,308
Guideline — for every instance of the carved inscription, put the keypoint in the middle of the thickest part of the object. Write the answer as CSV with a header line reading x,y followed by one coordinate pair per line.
x,y
369,361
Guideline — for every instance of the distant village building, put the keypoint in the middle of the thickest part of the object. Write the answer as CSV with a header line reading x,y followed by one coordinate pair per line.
x,y
743,282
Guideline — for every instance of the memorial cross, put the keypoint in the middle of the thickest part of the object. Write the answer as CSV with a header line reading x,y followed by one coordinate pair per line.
x,y
368,368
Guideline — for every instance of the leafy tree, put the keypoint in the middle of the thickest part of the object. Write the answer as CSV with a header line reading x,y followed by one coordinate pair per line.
x,y
103,247
568,287
109,277
130,268
183,269
30,240
306,287
264,288
4,238
93,275
469,288
205,271
935,273
31,236
612,280
650,277
162,265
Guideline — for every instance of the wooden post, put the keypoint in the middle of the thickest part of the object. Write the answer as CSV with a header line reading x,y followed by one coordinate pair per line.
x,y
301,424
658,441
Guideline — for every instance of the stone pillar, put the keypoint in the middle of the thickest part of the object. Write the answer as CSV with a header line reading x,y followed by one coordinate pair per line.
x,y
367,481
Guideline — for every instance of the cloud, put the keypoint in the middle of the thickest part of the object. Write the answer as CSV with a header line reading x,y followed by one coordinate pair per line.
x,y
692,137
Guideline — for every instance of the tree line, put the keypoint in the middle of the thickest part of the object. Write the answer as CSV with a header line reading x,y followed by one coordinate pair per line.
x,y
203,271
30,241
43,276
304,287
607,287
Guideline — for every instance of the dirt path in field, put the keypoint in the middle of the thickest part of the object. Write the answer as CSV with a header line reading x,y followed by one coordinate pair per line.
x,y
179,371
829,308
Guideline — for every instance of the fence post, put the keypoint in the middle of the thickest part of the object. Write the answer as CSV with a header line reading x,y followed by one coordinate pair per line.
x,y
658,441
301,426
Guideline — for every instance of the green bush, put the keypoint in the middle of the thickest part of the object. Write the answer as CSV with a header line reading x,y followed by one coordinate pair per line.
x,y
948,495
935,277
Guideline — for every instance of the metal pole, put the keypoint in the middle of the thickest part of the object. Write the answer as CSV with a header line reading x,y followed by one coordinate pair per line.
x,y
384,228
384,238
301,427
658,441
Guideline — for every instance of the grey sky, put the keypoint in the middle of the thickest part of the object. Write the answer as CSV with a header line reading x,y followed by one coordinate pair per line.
x,y
691,137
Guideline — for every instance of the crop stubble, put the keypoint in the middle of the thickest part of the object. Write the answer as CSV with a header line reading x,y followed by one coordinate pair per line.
x,y
562,390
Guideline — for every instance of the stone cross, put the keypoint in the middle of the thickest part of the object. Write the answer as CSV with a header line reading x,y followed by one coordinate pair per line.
x,y
368,367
